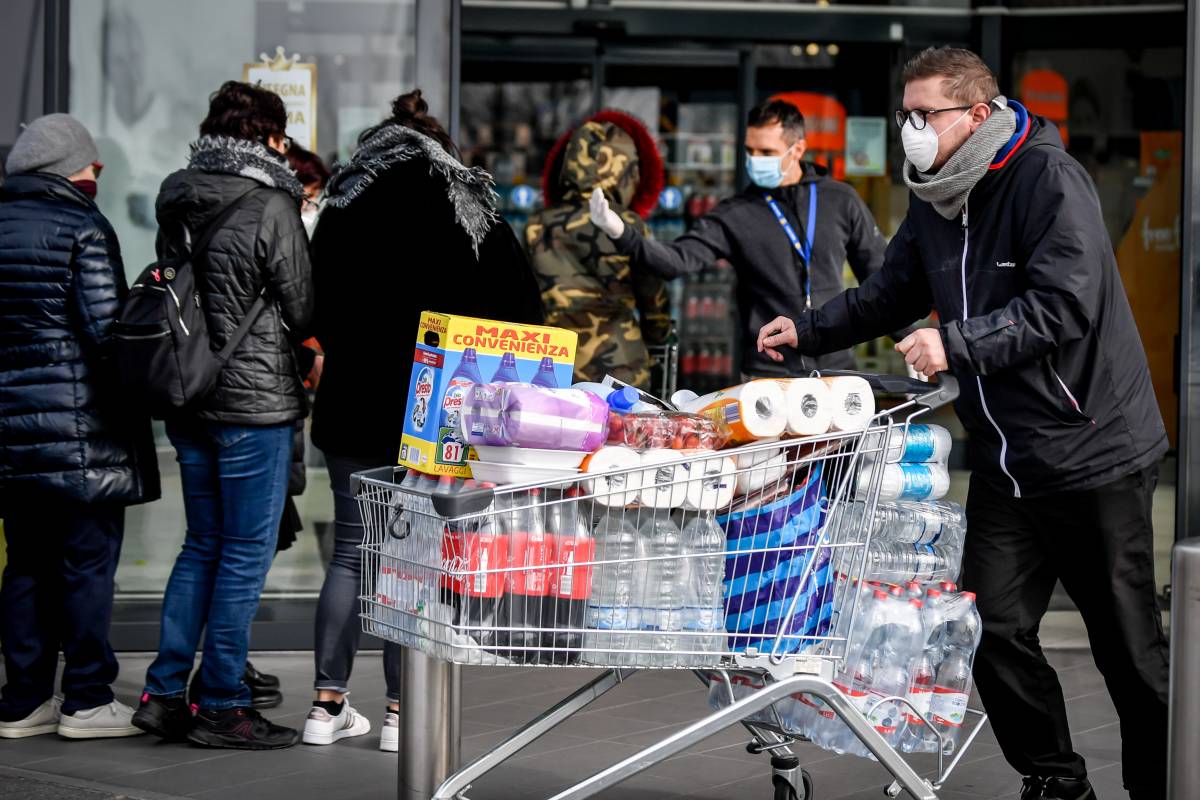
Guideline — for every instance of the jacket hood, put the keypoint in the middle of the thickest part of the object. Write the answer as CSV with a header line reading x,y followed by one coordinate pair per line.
x,y
192,197
612,150
600,156
43,185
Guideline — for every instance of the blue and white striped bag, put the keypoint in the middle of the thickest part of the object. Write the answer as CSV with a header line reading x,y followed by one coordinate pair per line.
x,y
760,586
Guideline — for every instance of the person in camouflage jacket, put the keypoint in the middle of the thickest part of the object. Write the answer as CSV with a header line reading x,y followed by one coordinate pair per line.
x,y
588,287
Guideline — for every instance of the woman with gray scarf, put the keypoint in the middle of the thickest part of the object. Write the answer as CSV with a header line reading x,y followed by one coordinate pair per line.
x,y
406,228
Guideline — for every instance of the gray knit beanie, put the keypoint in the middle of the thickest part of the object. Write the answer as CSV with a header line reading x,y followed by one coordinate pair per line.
x,y
56,143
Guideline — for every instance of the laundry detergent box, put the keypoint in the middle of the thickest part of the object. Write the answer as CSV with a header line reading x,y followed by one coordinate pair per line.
x,y
454,352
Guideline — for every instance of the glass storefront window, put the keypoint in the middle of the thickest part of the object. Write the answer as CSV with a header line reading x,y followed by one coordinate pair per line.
x,y
141,75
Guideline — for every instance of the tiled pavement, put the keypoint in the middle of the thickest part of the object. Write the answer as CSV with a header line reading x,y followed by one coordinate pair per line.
x,y
495,701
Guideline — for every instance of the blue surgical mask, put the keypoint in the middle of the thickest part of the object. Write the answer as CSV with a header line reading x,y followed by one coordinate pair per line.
x,y
765,171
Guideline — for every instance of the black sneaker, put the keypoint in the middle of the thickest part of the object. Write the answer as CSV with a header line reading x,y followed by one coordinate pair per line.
x,y
169,718
259,680
240,729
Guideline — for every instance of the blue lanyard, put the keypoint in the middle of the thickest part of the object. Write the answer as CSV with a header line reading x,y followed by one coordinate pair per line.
x,y
803,249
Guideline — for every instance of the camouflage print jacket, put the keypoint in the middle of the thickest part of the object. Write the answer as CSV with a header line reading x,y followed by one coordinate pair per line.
x,y
587,286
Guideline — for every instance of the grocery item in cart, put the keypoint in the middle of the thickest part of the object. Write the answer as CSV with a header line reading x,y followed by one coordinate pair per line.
x,y
852,401
711,480
452,353
912,444
679,431
529,559
572,550
753,411
703,594
518,415
906,481
620,489
939,522
898,562
664,484
658,581
611,615
809,406
772,562
771,472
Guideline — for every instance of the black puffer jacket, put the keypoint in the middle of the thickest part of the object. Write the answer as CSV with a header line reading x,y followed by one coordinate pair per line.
x,y
262,246
63,432
1056,393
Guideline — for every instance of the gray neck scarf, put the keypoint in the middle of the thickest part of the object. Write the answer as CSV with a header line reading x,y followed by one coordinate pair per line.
x,y
248,159
947,189
468,188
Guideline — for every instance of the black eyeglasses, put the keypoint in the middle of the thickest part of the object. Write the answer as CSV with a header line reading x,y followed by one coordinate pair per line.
x,y
918,117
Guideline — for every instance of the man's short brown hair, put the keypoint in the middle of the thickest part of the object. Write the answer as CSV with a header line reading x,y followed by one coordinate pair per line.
x,y
965,78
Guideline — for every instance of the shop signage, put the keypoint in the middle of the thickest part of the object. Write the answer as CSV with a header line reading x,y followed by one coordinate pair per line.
x,y
296,83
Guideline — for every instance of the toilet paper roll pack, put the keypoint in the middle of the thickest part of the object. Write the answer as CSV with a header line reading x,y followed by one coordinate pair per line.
x,y
809,406
664,485
852,402
613,490
752,411
711,482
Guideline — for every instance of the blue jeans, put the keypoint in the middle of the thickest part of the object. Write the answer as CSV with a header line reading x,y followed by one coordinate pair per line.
x,y
234,486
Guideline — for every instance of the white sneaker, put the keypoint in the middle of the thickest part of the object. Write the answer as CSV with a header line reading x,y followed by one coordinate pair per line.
x,y
389,734
44,719
102,722
321,727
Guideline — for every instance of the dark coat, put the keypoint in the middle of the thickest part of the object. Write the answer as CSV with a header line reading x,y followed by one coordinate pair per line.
x,y
393,252
770,275
262,246
64,433
1056,393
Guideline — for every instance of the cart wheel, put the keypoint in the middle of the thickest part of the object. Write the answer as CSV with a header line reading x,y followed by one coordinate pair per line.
x,y
785,791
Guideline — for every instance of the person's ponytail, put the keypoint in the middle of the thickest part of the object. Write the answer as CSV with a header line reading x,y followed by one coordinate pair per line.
x,y
411,111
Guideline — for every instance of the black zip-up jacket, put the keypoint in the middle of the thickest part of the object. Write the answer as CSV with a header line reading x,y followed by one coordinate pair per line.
x,y
261,246
1056,392
770,275
65,432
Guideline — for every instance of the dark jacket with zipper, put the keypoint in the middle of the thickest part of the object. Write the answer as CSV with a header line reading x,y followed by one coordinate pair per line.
x,y
65,432
393,252
1056,392
770,274
261,247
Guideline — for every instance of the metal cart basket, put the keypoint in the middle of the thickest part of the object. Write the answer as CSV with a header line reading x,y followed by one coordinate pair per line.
x,y
585,572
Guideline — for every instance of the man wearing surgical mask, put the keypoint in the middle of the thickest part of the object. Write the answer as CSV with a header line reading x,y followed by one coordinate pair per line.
x,y
1004,238
788,236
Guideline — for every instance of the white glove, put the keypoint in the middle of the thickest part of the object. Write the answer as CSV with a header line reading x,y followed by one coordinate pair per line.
x,y
604,217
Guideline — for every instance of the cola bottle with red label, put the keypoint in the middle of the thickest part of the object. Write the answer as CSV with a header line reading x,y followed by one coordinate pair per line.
x,y
572,554
528,581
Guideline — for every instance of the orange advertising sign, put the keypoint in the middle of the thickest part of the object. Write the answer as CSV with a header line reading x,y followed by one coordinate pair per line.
x,y
1044,92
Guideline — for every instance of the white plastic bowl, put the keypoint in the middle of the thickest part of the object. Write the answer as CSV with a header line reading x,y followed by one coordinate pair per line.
x,y
502,474
530,457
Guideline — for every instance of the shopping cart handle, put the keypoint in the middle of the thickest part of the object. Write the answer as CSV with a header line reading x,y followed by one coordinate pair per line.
x,y
448,506
928,395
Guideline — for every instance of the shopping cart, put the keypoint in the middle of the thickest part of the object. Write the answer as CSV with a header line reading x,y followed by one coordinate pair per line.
x,y
469,578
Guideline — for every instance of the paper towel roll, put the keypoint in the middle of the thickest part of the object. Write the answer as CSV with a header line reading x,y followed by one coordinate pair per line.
x,y
712,481
852,402
766,473
613,490
753,411
810,407
663,486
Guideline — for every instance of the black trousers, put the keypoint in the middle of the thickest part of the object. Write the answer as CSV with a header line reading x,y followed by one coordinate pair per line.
x,y
1099,543
57,594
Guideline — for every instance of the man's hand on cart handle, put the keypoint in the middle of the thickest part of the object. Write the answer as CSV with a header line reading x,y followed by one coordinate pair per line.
x,y
923,351
604,217
778,332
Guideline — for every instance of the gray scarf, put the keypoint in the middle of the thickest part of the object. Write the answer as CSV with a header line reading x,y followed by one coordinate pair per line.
x,y
248,159
468,188
947,189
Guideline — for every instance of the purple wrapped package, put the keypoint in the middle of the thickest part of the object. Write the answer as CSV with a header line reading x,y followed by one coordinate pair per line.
x,y
518,415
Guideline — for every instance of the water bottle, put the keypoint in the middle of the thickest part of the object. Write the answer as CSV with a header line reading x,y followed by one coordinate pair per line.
x,y
704,609
570,583
899,562
939,522
661,590
528,584
952,688
923,444
917,735
608,616
907,481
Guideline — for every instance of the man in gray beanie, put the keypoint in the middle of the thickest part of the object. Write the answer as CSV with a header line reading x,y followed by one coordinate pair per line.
x,y
71,458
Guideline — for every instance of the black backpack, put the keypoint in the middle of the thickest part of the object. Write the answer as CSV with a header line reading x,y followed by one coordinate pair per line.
x,y
164,354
